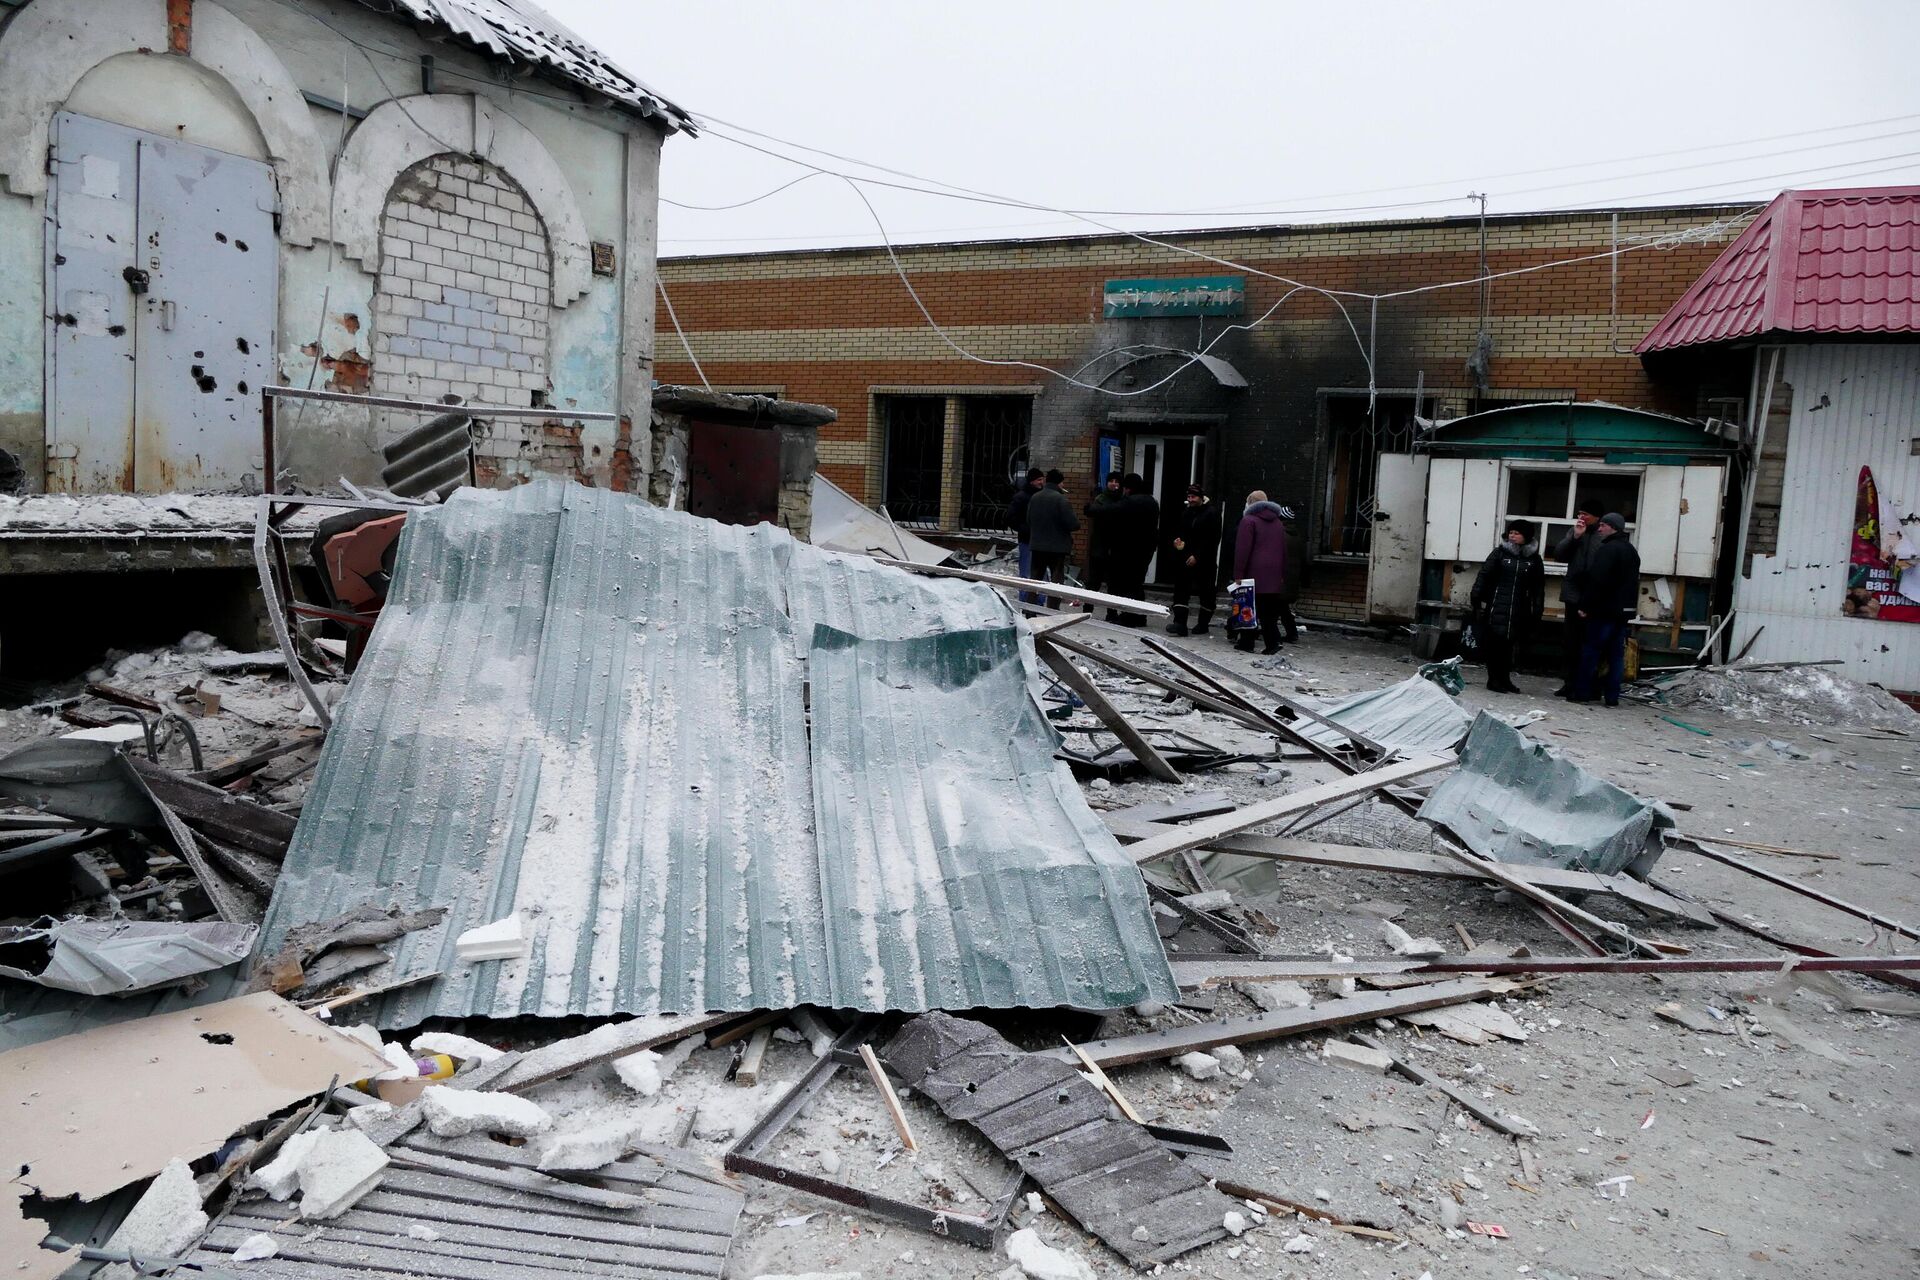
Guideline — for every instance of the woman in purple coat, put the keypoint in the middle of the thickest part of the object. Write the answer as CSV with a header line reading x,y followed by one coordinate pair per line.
x,y
1260,553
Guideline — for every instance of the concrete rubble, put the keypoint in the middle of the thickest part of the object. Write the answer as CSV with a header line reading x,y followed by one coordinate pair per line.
x,y
1340,1081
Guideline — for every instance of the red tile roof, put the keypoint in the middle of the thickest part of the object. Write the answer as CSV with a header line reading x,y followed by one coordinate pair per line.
x,y
1815,262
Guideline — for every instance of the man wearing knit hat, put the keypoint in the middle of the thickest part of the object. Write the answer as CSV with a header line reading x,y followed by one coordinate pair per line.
x,y
1609,595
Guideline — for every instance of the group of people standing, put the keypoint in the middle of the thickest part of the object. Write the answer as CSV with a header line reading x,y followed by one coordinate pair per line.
x,y
1599,595
1125,535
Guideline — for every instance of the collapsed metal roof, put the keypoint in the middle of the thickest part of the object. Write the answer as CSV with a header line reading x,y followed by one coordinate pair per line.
x,y
1516,800
713,769
519,30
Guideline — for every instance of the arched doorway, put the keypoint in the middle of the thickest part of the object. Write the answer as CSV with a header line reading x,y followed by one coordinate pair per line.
x,y
465,297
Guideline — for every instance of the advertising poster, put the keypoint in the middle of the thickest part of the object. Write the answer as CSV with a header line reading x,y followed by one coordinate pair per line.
x,y
1883,571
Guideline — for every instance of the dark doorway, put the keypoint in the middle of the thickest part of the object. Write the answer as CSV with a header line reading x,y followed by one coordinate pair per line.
x,y
733,473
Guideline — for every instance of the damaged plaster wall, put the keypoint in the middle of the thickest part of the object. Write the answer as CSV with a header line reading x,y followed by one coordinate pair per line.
x,y
240,85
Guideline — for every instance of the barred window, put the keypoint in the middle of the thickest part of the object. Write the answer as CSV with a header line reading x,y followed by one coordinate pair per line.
x,y
993,457
915,428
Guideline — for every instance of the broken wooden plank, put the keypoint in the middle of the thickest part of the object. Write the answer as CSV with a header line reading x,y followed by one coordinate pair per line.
x,y
748,1073
1058,590
237,823
602,1044
1200,804
531,1181
721,1037
892,1100
1460,1097
1106,1084
1218,674
1126,827
123,697
1058,622
1783,850
1154,1045
1793,886
1206,830
1198,697
1560,906
1071,676
1202,972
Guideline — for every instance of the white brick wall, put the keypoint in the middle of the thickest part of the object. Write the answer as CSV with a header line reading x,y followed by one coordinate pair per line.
x,y
464,297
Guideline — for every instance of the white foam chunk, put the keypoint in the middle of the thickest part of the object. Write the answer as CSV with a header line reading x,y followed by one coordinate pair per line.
x,y
502,940
1042,1261
452,1113
591,1148
454,1046
255,1247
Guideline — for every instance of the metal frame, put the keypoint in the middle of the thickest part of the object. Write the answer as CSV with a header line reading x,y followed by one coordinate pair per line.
x,y
745,1157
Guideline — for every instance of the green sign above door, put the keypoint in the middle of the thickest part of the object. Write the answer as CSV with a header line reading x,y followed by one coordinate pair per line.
x,y
1176,296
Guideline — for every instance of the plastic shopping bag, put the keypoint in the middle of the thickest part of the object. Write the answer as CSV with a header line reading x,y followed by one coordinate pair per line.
x,y
1241,613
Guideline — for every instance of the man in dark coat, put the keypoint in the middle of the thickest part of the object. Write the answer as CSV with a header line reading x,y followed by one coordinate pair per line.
x,y
1131,528
1260,553
1574,551
1196,544
1507,600
1050,526
1099,550
1609,593
1017,521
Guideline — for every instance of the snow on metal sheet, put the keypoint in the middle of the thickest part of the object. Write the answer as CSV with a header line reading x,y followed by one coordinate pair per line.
x,y
1415,715
594,712
1519,801
519,29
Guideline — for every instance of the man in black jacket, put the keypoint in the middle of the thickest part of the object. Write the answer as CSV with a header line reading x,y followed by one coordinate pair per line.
x,y
1574,551
1196,545
1609,588
1050,527
1131,529
1507,599
1099,540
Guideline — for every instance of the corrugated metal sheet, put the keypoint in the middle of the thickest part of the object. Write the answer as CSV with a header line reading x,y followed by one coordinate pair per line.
x,y
519,29
1514,800
1416,715
1825,262
1854,405
595,712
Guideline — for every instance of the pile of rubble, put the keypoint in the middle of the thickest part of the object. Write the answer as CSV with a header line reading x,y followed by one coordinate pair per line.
x,y
600,906
1787,693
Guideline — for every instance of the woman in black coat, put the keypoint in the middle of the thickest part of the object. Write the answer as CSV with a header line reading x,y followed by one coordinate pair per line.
x,y
1507,599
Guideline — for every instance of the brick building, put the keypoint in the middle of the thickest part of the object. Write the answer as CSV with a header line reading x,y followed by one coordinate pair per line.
x,y
1280,403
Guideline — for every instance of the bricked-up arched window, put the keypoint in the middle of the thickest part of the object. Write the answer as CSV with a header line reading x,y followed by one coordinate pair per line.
x,y
464,299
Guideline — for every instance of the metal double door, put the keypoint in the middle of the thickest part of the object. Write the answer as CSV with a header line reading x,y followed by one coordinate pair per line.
x,y
162,275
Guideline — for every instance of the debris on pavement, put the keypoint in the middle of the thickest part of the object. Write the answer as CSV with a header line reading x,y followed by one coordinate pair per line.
x,y
648,929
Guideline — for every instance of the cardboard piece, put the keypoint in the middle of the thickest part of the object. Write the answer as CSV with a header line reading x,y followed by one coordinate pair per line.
x,y
176,1085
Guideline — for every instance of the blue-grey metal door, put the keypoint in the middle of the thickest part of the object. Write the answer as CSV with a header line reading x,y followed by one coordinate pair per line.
x,y
91,291
162,268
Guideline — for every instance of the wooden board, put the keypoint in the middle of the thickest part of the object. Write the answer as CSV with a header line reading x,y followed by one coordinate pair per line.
x,y
1403,861
1071,676
1152,1046
1058,590
1206,830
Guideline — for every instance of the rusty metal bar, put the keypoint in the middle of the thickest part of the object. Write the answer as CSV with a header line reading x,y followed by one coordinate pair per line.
x,y
1825,899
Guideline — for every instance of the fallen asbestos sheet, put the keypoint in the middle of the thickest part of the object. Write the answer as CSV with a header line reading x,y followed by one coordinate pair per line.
x,y
112,957
710,768
90,1113
1114,1177
1518,801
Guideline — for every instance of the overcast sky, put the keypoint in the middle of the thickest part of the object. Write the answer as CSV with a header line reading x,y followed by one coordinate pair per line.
x,y
1255,112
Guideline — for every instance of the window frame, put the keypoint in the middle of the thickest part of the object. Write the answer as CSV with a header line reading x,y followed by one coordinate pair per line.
x,y
1573,470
